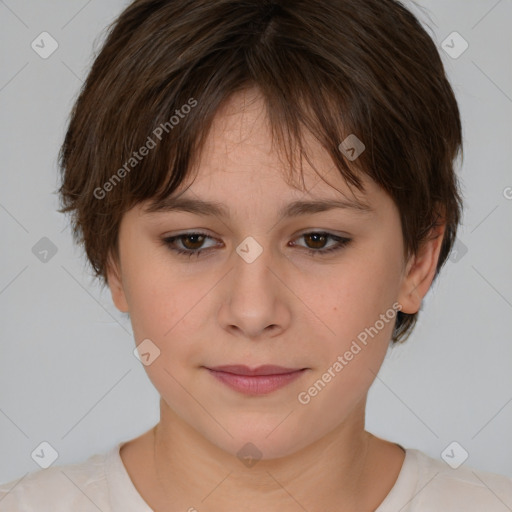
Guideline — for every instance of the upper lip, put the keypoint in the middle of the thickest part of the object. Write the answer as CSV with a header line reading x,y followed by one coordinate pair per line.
x,y
267,369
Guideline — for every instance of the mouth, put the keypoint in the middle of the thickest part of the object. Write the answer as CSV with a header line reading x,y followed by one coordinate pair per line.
x,y
267,369
255,381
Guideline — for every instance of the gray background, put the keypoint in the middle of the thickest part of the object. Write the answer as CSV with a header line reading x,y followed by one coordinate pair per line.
x,y
67,372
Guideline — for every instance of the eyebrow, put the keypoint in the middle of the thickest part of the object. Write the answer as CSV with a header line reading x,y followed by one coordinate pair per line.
x,y
293,209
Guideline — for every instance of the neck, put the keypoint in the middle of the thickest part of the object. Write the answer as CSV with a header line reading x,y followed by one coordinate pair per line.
x,y
330,473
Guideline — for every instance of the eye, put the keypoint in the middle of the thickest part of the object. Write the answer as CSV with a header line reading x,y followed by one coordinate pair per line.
x,y
192,243
316,241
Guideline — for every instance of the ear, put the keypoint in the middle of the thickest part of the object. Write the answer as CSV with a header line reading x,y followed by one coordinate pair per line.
x,y
115,283
420,271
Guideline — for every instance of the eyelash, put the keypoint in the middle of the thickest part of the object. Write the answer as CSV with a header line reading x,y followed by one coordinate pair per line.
x,y
341,243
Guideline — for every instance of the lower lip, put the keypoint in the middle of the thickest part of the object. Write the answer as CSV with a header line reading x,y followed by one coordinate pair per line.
x,y
256,384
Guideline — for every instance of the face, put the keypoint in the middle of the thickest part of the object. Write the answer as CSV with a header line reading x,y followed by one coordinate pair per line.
x,y
315,290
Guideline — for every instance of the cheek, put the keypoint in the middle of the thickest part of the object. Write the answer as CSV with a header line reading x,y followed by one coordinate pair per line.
x,y
169,309
378,271
155,296
350,359
360,313
364,290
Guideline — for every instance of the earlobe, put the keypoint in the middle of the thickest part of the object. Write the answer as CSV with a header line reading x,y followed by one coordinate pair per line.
x,y
420,272
115,284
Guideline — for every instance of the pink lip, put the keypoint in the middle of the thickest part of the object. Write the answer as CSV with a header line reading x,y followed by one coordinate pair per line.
x,y
256,381
266,369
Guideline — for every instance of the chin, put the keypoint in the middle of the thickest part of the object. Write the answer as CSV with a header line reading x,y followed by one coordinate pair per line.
x,y
253,442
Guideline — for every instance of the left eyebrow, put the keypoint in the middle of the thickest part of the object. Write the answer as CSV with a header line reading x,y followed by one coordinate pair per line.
x,y
293,209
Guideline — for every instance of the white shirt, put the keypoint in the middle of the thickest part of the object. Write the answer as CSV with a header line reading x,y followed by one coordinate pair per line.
x,y
102,483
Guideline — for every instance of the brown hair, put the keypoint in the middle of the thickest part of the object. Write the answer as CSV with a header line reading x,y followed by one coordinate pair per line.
x,y
333,67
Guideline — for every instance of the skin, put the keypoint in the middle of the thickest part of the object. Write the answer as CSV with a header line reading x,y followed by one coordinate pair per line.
x,y
288,307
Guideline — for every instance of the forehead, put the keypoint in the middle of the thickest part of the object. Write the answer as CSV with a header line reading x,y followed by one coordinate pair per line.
x,y
240,150
241,141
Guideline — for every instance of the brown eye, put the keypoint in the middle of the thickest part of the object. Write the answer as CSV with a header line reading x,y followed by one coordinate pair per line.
x,y
196,241
316,240
316,243
190,244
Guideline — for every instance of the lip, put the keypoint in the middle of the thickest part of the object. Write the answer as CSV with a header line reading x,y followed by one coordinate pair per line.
x,y
255,381
266,369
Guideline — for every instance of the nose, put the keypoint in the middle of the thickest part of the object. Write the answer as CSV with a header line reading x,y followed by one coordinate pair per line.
x,y
255,296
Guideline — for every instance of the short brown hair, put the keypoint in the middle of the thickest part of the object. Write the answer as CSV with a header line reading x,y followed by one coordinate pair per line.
x,y
333,67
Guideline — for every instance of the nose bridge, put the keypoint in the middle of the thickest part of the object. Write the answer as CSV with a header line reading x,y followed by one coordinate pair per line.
x,y
252,265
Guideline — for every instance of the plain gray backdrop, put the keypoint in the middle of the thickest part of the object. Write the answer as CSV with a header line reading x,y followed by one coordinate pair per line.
x,y
68,375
